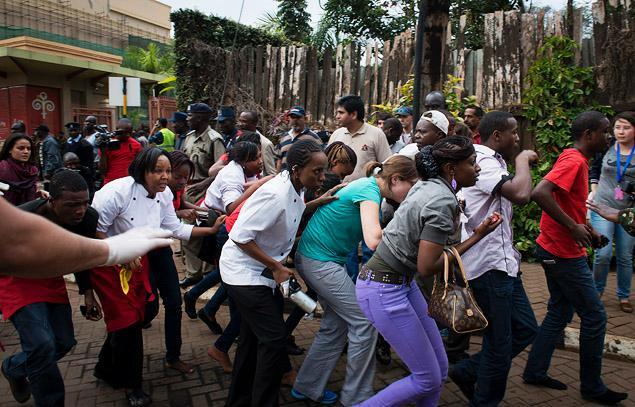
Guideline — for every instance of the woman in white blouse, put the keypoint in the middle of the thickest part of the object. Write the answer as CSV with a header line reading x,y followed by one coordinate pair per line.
x,y
236,182
141,199
251,267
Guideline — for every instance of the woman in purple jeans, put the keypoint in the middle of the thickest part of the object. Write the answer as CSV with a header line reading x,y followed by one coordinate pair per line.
x,y
413,242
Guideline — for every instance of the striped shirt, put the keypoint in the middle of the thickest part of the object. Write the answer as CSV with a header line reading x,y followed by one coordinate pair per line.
x,y
287,140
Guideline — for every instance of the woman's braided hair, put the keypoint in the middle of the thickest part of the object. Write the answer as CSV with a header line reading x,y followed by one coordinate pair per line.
x,y
338,152
300,153
448,150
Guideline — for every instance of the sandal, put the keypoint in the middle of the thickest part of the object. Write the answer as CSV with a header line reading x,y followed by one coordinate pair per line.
x,y
180,366
328,397
626,306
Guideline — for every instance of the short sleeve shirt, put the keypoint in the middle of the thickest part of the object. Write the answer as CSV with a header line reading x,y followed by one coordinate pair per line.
x,y
120,159
227,187
608,178
336,228
270,218
369,144
571,174
430,212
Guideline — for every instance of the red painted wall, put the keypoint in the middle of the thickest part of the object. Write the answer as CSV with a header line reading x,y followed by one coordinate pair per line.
x,y
34,105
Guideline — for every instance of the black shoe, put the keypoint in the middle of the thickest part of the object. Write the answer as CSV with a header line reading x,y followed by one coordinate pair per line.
x,y
466,387
211,323
19,388
292,348
138,398
608,398
190,307
547,382
189,281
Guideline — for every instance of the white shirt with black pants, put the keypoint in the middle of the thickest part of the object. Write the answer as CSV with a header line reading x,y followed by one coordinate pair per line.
x,y
269,218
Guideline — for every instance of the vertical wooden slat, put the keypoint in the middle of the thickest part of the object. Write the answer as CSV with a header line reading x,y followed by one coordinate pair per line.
x,y
324,100
512,35
487,98
527,43
385,68
577,33
281,79
479,75
366,89
459,69
273,75
376,78
338,71
346,70
300,76
258,77
312,84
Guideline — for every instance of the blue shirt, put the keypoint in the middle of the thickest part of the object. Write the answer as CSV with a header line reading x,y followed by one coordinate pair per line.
x,y
336,228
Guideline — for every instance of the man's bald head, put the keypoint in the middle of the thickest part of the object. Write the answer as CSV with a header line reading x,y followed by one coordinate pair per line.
x,y
435,100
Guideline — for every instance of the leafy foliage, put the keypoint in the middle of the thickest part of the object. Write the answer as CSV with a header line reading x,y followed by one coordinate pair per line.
x,y
557,91
344,21
452,89
294,19
151,59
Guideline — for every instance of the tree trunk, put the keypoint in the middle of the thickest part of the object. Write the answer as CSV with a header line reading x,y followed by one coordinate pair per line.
x,y
435,46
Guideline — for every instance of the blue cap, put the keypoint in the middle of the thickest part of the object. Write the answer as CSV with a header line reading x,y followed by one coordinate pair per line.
x,y
225,112
178,117
73,126
297,111
404,111
199,108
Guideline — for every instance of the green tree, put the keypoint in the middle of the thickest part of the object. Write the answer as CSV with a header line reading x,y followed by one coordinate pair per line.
x,y
294,19
151,59
359,20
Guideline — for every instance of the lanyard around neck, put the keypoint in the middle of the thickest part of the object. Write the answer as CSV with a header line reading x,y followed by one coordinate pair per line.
x,y
620,173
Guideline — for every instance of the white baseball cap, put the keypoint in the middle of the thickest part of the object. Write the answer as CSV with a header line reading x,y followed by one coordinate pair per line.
x,y
438,119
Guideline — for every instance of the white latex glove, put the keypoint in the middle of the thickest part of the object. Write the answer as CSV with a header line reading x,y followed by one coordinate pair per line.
x,y
135,243
3,187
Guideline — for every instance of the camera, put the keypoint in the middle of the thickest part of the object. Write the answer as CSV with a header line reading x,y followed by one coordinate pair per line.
x,y
628,187
104,139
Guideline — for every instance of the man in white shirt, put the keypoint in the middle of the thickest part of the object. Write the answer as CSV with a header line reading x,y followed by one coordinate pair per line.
x,y
393,130
493,264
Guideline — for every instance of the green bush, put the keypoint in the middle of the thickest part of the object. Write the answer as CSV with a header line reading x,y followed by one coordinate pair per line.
x,y
557,91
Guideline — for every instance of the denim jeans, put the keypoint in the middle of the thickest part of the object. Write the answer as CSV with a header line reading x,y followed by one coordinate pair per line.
x,y
571,287
46,335
352,263
400,314
232,330
624,244
342,319
210,280
512,327
165,283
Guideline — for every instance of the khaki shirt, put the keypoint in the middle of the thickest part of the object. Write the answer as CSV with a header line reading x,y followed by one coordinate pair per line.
x,y
369,144
204,150
268,156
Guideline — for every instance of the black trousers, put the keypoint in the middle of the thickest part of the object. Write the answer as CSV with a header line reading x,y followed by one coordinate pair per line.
x,y
261,357
164,279
120,361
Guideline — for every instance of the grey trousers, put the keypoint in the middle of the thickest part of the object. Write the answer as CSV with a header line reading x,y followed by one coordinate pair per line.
x,y
342,319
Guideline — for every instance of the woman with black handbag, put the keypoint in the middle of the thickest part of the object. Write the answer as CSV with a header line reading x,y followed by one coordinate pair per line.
x,y
415,242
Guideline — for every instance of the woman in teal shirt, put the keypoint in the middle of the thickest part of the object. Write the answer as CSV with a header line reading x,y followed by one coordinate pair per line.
x,y
332,233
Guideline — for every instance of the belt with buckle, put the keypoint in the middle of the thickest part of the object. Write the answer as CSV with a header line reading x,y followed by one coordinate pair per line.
x,y
381,277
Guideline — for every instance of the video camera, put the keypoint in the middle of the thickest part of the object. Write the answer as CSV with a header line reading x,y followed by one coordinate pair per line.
x,y
104,138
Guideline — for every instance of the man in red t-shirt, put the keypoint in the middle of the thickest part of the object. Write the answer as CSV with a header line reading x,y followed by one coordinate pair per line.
x,y
39,309
115,157
564,237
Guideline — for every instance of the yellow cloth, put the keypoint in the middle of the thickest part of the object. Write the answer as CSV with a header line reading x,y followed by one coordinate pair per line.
x,y
125,274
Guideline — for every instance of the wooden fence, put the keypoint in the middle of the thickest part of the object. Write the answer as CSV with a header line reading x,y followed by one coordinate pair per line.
x,y
280,77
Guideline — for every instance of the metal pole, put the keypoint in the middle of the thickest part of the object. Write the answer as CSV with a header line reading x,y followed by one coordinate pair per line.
x,y
125,98
419,48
